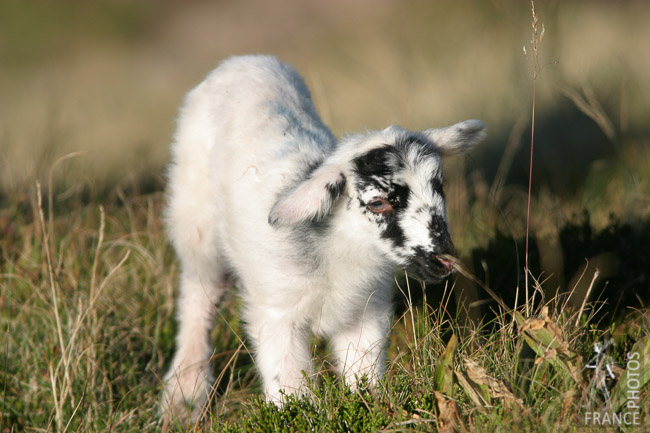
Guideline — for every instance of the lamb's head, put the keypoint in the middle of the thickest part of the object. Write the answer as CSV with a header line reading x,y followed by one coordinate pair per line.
x,y
390,183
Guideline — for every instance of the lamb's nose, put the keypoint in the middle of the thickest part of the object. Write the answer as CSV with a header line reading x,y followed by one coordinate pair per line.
x,y
447,261
446,256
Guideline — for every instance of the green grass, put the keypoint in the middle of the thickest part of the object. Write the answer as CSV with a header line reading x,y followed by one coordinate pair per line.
x,y
86,310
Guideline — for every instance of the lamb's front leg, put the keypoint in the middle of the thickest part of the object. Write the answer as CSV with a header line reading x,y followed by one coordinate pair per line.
x,y
282,354
360,349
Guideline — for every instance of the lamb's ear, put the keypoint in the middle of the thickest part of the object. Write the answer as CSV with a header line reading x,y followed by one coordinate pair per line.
x,y
458,138
311,200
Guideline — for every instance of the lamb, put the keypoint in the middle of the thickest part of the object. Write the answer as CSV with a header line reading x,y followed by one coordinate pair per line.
x,y
308,227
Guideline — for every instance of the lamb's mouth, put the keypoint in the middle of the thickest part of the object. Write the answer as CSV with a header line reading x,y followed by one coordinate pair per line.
x,y
434,268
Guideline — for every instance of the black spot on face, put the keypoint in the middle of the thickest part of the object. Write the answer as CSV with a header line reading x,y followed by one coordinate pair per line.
x,y
437,226
439,233
416,145
376,169
398,197
376,163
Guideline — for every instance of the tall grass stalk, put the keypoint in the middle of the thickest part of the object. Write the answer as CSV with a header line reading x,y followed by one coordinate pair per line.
x,y
535,42
55,306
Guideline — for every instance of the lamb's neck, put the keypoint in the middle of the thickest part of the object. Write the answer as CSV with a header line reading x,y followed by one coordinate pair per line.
x,y
347,247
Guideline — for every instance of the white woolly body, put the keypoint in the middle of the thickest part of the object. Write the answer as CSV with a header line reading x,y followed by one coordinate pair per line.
x,y
253,173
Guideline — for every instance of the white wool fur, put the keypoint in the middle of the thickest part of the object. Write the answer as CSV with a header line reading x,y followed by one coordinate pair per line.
x,y
252,167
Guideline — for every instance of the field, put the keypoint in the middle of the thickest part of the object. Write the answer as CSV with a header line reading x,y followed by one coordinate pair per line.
x,y
88,98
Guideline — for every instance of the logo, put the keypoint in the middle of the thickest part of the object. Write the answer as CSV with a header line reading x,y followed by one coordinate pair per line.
x,y
605,409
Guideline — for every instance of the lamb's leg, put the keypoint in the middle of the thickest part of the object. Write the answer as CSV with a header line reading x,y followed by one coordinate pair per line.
x,y
359,350
191,217
189,378
203,281
281,352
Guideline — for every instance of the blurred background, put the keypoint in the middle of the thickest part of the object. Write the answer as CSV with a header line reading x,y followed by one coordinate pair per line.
x,y
102,81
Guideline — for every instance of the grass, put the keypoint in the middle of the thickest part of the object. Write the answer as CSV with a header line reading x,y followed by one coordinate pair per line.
x,y
87,313
88,280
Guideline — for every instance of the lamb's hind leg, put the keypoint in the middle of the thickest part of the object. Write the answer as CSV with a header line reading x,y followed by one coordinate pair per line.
x,y
202,284
189,378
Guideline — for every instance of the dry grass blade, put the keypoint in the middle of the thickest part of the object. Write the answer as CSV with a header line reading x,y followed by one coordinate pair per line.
x,y
458,266
74,412
100,242
545,337
212,395
55,304
448,417
495,387
584,300
480,398
410,309
592,108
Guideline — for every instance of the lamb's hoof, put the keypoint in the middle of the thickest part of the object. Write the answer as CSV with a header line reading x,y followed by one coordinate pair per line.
x,y
183,408
181,413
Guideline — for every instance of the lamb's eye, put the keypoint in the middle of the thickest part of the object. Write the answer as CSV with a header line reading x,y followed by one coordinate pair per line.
x,y
379,206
